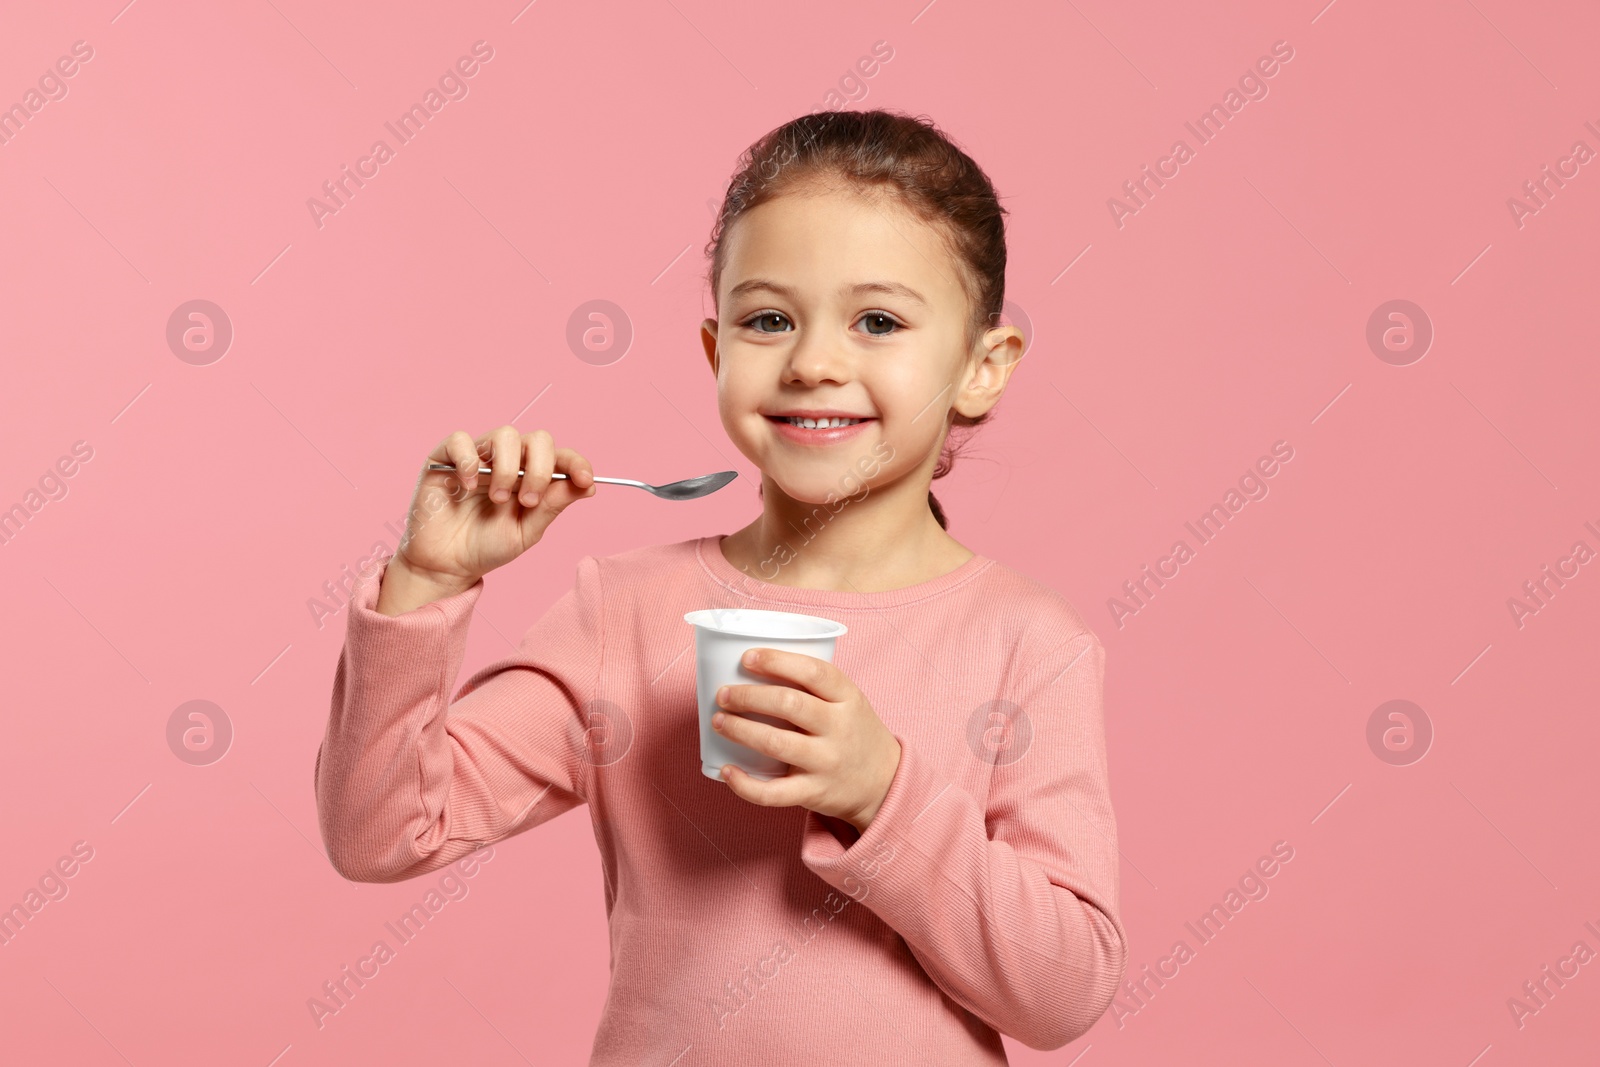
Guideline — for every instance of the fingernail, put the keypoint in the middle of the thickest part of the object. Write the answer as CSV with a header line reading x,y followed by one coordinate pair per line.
x,y
501,495
722,697
717,719
750,658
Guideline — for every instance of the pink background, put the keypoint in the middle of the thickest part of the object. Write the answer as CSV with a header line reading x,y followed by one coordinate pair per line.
x,y
1229,313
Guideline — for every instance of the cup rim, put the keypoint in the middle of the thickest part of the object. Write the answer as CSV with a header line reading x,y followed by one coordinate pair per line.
x,y
830,627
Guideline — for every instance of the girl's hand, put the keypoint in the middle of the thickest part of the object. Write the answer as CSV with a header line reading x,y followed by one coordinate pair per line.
x,y
463,525
843,762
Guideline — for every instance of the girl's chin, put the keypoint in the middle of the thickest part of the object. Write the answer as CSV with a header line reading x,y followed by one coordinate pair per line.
x,y
819,491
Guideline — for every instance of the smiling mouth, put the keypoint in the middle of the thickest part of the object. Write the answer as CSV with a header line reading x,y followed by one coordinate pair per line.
x,y
815,424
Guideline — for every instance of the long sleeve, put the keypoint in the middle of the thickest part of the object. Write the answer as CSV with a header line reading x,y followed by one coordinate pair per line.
x,y
408,781
1009,902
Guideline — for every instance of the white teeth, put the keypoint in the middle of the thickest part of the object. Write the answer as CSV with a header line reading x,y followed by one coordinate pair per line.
x,y
814,424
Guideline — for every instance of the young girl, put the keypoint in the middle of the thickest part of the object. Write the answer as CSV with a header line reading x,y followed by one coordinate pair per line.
x,y
939,866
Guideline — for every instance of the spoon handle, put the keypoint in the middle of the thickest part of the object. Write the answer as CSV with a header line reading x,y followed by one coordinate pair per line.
x,y
490,470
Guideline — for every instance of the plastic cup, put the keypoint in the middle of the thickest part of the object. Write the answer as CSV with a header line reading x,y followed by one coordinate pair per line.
x,y
721,636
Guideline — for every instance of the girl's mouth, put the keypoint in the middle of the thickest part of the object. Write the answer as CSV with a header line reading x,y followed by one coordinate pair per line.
x,y
817,431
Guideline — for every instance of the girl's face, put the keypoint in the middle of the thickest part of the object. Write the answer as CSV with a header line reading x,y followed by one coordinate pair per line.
x,y
832,303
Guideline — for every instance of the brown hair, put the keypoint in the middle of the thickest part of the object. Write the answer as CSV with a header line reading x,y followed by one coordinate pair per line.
x,y
910,156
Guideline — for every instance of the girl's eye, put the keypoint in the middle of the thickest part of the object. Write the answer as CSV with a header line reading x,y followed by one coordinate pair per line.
x,y
875,319
767,316
879,324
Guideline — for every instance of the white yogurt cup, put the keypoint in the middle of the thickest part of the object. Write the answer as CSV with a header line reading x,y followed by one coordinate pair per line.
x,y
721,636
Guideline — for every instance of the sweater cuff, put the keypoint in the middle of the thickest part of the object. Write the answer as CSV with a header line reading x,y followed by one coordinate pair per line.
x,y
883,857
364,603
419,622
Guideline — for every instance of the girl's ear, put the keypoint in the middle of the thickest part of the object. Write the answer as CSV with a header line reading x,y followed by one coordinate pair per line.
x,y
708,338
1002,351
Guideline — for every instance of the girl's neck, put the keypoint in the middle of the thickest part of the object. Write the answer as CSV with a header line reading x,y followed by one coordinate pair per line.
x,y
887,540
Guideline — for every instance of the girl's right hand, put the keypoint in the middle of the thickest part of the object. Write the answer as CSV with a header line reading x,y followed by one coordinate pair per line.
x,y
463,525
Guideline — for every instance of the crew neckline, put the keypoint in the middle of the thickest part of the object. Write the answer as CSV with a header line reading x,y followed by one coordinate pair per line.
x,y
709,552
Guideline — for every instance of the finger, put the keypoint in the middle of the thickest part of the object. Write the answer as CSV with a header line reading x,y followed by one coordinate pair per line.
x,y
556,498
572,463
578,483
461,451
783,792
538,461
504,462
789,746
814,675
780,701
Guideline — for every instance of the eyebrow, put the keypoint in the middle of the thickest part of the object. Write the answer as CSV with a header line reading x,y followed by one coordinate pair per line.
x,y
888,288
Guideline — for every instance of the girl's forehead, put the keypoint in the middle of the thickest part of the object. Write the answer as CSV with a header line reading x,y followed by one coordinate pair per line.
x,y
824,243
836,203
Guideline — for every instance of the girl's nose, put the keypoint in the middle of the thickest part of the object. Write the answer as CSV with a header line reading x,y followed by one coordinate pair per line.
x,y
815,359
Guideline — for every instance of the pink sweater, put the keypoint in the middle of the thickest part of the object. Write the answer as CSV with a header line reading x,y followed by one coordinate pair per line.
x,y
982,898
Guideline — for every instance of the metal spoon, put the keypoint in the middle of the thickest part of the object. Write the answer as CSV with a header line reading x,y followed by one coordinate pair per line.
x,y
688,489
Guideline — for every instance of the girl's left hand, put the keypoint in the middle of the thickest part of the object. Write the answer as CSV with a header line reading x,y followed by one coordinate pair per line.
x,y
843,762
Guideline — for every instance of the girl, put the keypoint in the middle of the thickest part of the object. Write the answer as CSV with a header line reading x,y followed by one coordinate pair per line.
x,y
940,864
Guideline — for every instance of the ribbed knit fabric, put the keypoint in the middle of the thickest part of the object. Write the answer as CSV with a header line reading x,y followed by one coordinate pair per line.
x,y
982,897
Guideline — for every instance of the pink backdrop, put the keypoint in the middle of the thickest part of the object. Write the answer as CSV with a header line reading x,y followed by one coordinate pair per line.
x,y
1175,341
